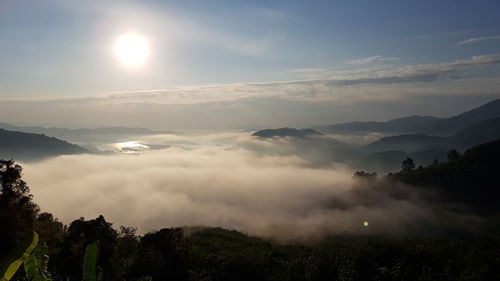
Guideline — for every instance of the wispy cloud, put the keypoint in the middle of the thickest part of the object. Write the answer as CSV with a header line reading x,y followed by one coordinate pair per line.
x,y
372,60
422,73
266,103
479,39
332,87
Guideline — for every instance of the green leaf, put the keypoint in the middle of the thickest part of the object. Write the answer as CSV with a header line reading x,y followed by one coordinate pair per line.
x,y
11,263
90,270
99,274
36,265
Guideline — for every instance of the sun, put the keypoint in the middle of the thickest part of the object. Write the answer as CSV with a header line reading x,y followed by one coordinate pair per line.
x,y
131,49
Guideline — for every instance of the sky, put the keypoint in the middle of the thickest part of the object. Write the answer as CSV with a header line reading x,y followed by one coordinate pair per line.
x,y
245,64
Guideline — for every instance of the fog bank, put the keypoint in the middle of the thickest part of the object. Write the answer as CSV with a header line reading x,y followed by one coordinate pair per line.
x,y
278,196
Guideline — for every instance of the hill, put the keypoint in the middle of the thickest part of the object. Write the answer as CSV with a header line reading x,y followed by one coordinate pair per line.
x,y
478,133
407,143
286,132
470,179
490,110
29,147
420,124
85,134
475,134
408,124
309,144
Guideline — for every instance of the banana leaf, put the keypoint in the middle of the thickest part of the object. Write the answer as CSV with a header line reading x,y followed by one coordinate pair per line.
x,y
13,260
91,272
36,265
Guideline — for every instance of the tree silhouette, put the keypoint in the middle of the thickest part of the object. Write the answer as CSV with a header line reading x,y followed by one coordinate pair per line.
x,y
365,175
408,165
453,155
17,210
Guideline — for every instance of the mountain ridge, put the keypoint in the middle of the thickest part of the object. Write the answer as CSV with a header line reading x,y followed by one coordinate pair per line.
x,y
420,124
30,147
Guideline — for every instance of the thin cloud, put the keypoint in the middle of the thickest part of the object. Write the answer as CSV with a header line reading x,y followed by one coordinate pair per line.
x,y
332,87
262,104
372,60
479,39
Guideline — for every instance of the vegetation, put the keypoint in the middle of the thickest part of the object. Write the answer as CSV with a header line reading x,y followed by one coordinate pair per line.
x,y
470,179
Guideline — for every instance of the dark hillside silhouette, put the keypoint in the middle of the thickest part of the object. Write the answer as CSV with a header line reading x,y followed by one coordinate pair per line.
x,y
84,134
30,147
471,178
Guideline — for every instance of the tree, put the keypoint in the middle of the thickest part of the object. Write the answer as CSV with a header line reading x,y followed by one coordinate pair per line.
x,y
408,165
453,155
17,210
81,233
162,255
362,175
125,251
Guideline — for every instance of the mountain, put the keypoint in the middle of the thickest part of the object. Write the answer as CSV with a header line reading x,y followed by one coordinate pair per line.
x,y
420,124
399,125
309,144
85,134
475,134
287,132
29,147
407,143
490,110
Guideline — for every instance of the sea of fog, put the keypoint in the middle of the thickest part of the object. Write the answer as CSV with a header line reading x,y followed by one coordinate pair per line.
x,y
231,180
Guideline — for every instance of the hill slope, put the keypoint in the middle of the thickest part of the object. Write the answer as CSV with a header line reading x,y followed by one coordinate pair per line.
x,y
30,147
472,179
475,134
490,110
84,134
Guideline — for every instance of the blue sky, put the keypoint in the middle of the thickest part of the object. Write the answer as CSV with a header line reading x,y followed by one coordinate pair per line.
x,y
62,50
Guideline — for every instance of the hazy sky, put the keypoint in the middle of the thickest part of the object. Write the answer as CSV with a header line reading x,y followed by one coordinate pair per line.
x,y
231,64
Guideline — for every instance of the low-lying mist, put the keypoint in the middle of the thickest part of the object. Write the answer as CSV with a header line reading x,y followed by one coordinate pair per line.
x,y
280,196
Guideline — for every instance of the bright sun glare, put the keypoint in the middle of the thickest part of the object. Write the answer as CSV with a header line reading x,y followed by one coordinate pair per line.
x,y
132,49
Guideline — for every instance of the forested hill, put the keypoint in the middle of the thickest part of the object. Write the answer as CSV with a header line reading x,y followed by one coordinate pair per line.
x,y
29,147
470,178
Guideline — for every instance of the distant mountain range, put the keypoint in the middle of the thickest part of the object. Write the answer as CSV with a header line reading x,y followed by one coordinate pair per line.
x,y
475,134
30,147
85,134
472,128
419,124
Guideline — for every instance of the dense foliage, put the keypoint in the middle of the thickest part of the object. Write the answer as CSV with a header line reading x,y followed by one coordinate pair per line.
x,y
471,178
